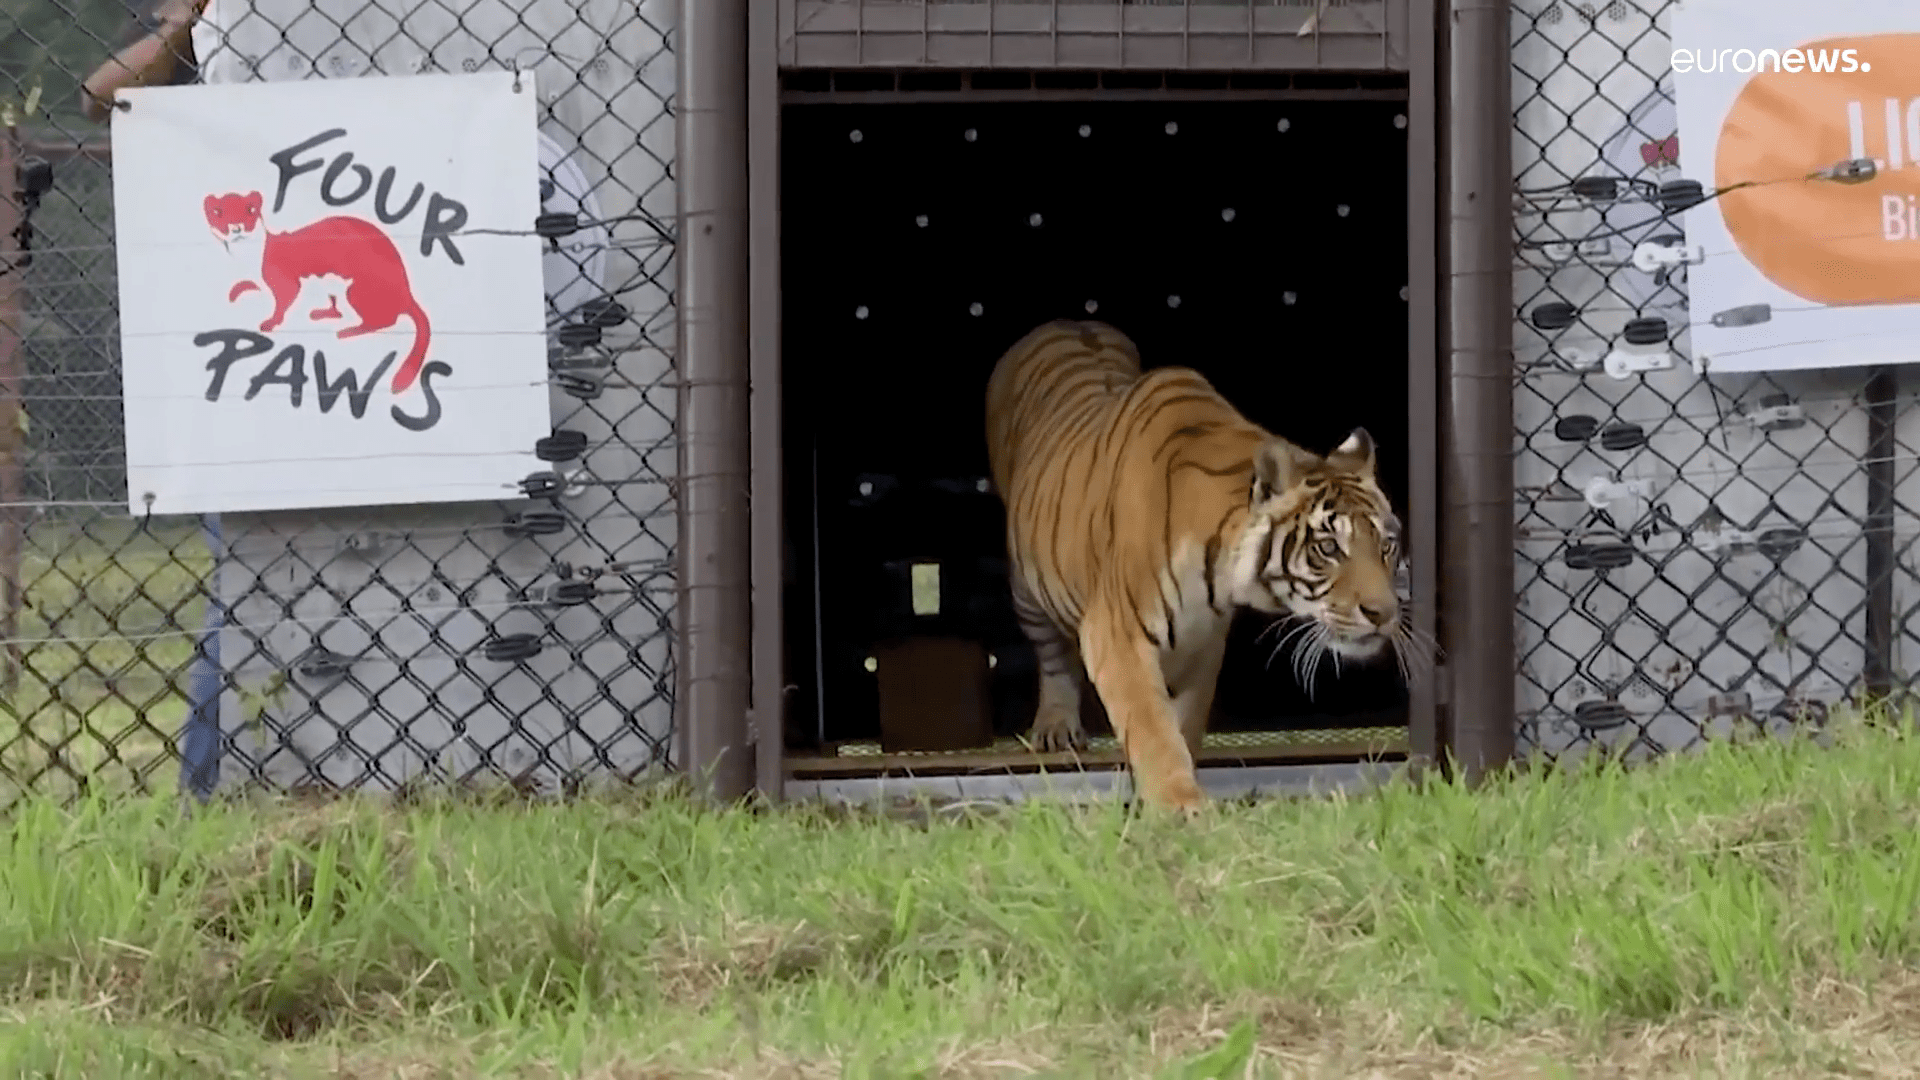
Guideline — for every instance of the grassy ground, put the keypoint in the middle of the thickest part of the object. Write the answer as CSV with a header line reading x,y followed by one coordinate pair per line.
x,y
1745,911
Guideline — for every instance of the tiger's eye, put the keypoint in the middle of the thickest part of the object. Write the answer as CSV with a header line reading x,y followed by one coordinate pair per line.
x,y
1329,548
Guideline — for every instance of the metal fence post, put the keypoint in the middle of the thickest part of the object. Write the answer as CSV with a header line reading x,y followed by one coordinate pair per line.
x,y
769,512
1424,737
12,434
1478,420
1883,417
714,663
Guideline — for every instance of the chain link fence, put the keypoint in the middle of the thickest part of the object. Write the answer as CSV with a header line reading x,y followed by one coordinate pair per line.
x,y
1698,552
525,642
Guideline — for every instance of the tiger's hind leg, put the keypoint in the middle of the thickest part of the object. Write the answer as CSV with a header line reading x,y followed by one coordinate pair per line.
x,y
1056,723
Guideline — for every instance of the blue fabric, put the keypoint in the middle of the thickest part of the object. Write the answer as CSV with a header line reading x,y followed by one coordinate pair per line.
x,y
200,738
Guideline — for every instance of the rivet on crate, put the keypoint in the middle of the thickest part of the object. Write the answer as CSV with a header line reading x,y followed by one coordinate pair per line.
x,y
512,648
1600,715
562,445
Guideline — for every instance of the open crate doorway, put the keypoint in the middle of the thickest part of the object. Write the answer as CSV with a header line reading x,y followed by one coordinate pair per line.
x,y
1262,242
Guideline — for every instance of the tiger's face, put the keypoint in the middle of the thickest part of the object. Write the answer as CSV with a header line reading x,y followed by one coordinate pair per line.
x,y
1324,546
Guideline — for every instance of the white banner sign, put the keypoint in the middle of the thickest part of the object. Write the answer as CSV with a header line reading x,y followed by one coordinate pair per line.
x,y
1768,93
329,292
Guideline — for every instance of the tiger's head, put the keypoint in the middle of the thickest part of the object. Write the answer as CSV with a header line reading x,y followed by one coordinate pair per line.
x,y
1322,545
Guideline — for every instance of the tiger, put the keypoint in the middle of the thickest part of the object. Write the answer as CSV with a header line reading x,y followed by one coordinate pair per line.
x,y
1142,510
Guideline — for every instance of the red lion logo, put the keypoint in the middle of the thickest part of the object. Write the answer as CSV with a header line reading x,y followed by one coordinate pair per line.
x,y
346,247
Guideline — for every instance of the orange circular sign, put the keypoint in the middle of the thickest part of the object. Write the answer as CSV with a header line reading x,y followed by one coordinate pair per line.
x,y
1828,242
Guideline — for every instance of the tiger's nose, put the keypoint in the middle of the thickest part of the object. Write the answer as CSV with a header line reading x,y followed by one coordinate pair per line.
x,y
1380,614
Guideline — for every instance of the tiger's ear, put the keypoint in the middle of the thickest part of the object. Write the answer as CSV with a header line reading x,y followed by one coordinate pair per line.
x,y
1278,466
1356,454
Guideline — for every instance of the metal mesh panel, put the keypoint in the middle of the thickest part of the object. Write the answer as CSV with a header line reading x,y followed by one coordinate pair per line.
x,y
526,641
1696,551
1271,35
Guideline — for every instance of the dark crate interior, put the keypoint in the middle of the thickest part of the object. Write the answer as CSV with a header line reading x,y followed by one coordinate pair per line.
x,y
1260,242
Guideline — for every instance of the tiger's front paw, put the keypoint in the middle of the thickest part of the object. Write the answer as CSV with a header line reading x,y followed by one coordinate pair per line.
x,y
1055,731
1178,794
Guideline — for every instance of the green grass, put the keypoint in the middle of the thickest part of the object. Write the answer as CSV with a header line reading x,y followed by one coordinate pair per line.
x,y
102,700
1748,910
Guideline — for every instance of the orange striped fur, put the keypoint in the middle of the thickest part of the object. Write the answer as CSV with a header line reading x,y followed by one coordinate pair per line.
x,y
1142,509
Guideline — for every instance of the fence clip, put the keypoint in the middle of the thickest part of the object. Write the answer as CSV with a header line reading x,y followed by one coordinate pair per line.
x,y
1725,541
1626,363
367,542
1652,257
1601,492
1600,715
512,648
320,663
1776,412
